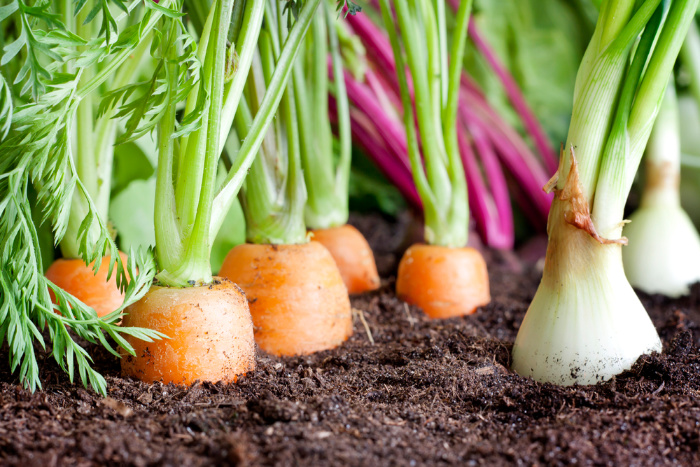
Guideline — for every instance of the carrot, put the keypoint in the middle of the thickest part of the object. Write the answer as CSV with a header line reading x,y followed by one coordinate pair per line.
x,y
210,334
443,281
353,256
79,280
297,298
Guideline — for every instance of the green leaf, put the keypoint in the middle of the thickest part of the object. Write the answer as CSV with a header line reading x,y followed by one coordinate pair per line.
x,y
132,214
131,163
8,10
170,13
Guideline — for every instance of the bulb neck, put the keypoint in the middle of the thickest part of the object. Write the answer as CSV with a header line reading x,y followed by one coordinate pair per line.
x,y
585,323
662,188
573,251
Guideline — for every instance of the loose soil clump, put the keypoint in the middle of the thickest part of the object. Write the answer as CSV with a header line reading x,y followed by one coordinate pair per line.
x,y
425,393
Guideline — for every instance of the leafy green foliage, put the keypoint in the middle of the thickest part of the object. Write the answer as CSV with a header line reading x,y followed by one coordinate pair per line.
x,y
353,8
32,69
6,107
142,113
109,24
36,148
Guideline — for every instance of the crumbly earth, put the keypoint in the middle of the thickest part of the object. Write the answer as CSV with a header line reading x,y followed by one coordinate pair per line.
x,y
417,392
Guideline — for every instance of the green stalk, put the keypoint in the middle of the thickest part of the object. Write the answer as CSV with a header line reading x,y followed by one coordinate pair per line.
x,y
186,243
458,215
193,97
84,153
628,139
245,49
326,180
430,203
195,265
193,153
441,184
274,195
263,117
168,236
342,175
690,57
598,83
426,86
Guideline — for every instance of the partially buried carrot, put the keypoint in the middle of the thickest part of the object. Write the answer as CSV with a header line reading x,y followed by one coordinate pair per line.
x,y
210,334
93,289
353,256
445,282
297,298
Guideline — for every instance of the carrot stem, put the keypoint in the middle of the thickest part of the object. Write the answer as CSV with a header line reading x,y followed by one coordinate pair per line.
x,y
326,180
264,117
438,174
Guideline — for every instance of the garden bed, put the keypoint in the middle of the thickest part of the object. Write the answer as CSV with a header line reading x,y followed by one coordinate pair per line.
x,y
426,392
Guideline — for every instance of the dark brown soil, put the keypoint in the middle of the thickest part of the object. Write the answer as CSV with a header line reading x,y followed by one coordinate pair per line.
x,y
425,393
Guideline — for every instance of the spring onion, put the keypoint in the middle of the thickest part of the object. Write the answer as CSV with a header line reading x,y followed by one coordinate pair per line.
x,y
663,255
585,323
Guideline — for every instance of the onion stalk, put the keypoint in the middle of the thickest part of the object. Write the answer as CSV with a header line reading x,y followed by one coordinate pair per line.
x,y
663,255
585,323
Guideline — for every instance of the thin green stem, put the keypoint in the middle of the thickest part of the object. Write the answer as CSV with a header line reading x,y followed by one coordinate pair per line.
x,y
458,217
245,49
690,56
327,204
263,117
193,97
274,196
627,144
442,184
342,176
169,247
424,189
198,245
425,86
84,152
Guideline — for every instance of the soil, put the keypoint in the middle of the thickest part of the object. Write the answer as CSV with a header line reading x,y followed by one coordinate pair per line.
x,y
417,392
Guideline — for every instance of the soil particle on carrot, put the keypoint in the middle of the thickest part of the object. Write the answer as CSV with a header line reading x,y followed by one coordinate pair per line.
x,y
209,329
427,393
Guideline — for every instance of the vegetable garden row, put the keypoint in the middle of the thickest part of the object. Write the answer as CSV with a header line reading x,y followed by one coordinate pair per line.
x,y
177,177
